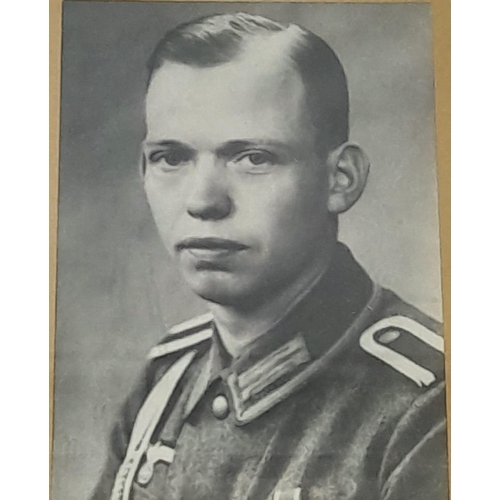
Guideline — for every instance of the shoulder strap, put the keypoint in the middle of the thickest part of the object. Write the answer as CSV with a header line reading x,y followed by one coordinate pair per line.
x,y
392,341
184,335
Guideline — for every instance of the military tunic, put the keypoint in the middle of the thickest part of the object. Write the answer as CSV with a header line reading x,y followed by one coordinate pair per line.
x,y
343,399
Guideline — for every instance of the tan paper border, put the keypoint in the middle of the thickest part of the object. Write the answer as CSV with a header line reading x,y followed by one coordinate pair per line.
x,y
441,16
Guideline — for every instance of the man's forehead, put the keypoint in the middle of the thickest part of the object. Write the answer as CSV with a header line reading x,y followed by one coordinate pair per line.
x,y
252,89
249,72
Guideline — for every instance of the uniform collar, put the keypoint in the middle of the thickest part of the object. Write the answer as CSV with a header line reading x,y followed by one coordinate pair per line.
x,y
280,362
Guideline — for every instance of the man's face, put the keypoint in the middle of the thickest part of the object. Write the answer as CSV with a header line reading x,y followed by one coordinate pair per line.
x,y
231,174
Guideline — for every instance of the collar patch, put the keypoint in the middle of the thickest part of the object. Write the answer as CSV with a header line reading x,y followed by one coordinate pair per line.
x,y
272,368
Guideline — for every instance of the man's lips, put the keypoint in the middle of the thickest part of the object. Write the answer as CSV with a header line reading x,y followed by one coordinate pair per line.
x,y
210,247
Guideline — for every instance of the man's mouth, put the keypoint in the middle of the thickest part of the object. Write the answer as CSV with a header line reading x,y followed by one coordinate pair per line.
x,y
210,248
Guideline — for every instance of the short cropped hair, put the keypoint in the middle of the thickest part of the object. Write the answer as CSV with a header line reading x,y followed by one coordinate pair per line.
x,y
218,39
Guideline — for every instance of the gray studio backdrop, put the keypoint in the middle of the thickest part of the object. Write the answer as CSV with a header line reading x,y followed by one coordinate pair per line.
x,y
116,291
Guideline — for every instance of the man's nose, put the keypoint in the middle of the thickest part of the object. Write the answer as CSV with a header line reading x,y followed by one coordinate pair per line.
x,y
208,194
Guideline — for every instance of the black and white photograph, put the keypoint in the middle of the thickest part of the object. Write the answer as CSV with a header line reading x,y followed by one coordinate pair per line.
x,y
248,294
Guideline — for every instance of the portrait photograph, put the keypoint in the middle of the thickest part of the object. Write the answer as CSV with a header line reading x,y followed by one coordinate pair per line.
x,y
248,289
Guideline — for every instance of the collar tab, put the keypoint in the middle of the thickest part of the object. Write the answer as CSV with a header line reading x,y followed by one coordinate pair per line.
x,y
270,370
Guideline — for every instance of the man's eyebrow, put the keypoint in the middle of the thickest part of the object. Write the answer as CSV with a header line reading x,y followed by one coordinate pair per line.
x,y
167,144
231,147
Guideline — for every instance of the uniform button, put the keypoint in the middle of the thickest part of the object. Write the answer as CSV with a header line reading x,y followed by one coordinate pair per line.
x,y
389,336
220,407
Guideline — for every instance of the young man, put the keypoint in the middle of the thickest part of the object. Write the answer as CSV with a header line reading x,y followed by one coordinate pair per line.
x,y
306,380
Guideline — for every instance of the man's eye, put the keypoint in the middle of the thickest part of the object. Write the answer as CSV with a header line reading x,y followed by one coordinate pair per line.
x,y
169,158
256,162
259,158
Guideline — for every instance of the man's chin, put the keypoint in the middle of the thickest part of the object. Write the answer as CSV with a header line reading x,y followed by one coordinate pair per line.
x,y
217,286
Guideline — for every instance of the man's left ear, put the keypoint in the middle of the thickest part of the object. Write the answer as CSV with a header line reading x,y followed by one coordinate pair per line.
x,y
348,168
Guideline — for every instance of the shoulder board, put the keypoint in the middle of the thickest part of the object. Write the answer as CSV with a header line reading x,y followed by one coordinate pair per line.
x,y
407,346
184,335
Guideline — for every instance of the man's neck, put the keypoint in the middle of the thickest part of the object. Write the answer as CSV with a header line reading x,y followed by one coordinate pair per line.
x,y
239,327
